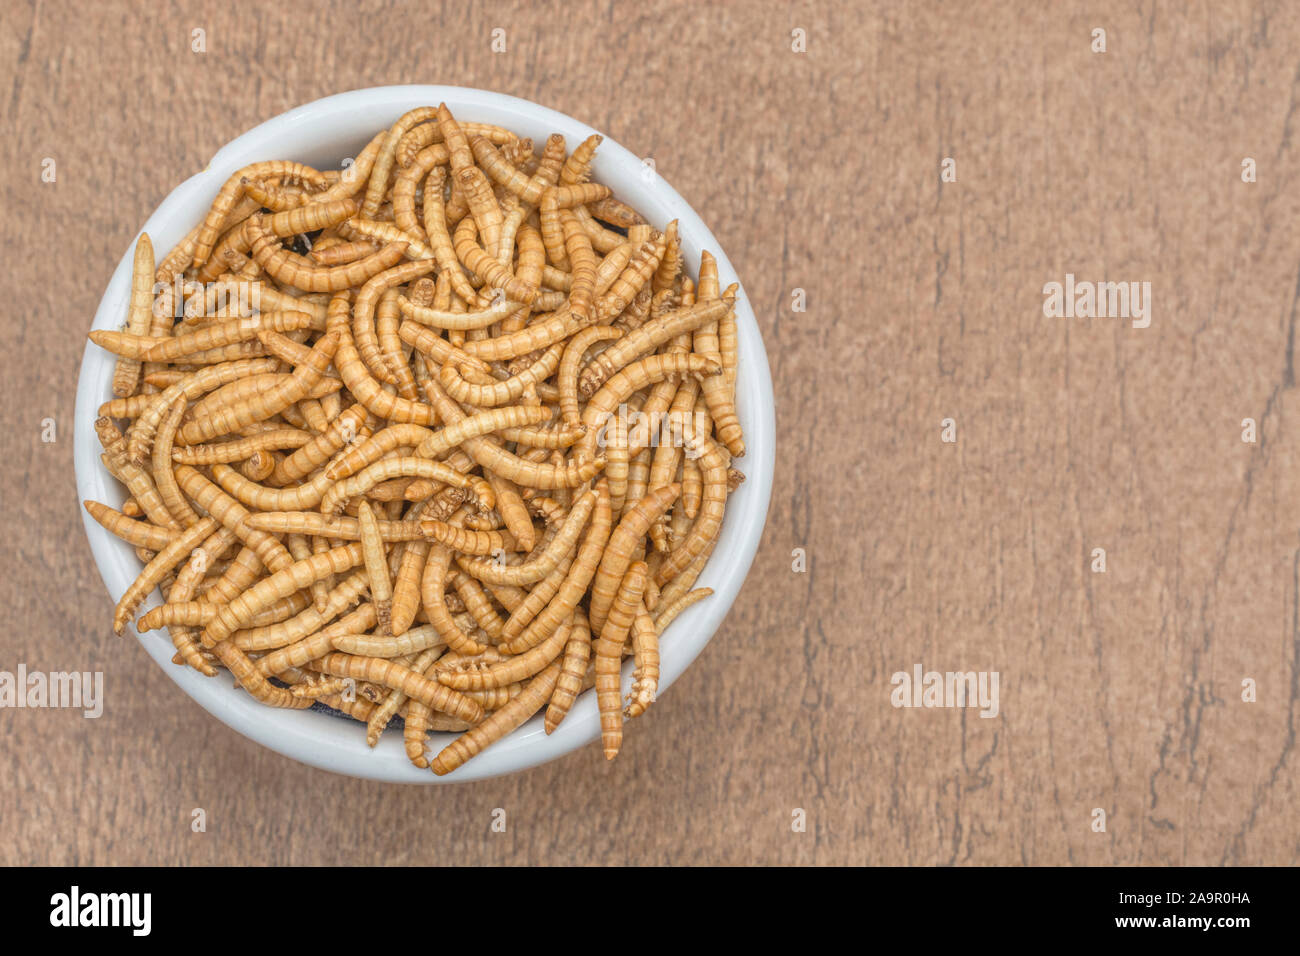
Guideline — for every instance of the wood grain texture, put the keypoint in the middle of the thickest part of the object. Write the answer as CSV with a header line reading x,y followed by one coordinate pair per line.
x,y
817,171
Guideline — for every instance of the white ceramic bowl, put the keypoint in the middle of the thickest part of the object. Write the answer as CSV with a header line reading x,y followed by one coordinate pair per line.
x,y
323,134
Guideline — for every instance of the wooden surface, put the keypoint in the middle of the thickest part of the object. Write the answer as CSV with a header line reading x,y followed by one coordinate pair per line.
x,y
818,171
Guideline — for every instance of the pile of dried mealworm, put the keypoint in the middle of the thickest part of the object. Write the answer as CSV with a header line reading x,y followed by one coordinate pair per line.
x,y
445,435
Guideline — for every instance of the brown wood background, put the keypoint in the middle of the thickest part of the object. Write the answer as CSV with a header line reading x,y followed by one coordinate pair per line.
x,y
817,171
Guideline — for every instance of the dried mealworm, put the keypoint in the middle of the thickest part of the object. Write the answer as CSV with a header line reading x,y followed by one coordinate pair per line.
x,y
230,194
618,553
608,653
645,651
497,725
510,670
573,668
176,550
372,548
139,314
571,363
141,534
668,613
538,565
575,583
396,677
384,712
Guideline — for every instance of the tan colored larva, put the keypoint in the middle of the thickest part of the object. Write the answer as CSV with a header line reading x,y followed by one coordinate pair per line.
x,y
537,566
574,586
668,613
382,714
645,338
396,677
166,559
139,315
141,534
432,595
608,652
390,465
618,553
512,669
375,559
230,194
645,652
571,364
573,669
310,621
501,722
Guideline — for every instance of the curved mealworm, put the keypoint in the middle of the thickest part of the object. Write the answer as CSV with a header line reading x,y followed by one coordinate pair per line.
x,y
310,621
714,470
428,342
318,643
511,670
608,652
467,542
230,194
252,680
571,362
500,392
498,724
669,612
406,183
396,677
505,172
645,338
514,514
414,641
485,422
231,514
273,401
164,477
538,565
336,497
271,196
495,458
383,163
347,428
282,583
463,321
389,234
363,386
483,206
385,712
183,638
575,582
478,605
301,273
176,550
573,668
618,553
375,447
432,589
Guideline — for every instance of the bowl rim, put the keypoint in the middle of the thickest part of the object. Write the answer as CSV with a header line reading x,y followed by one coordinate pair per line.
x,y
332,743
